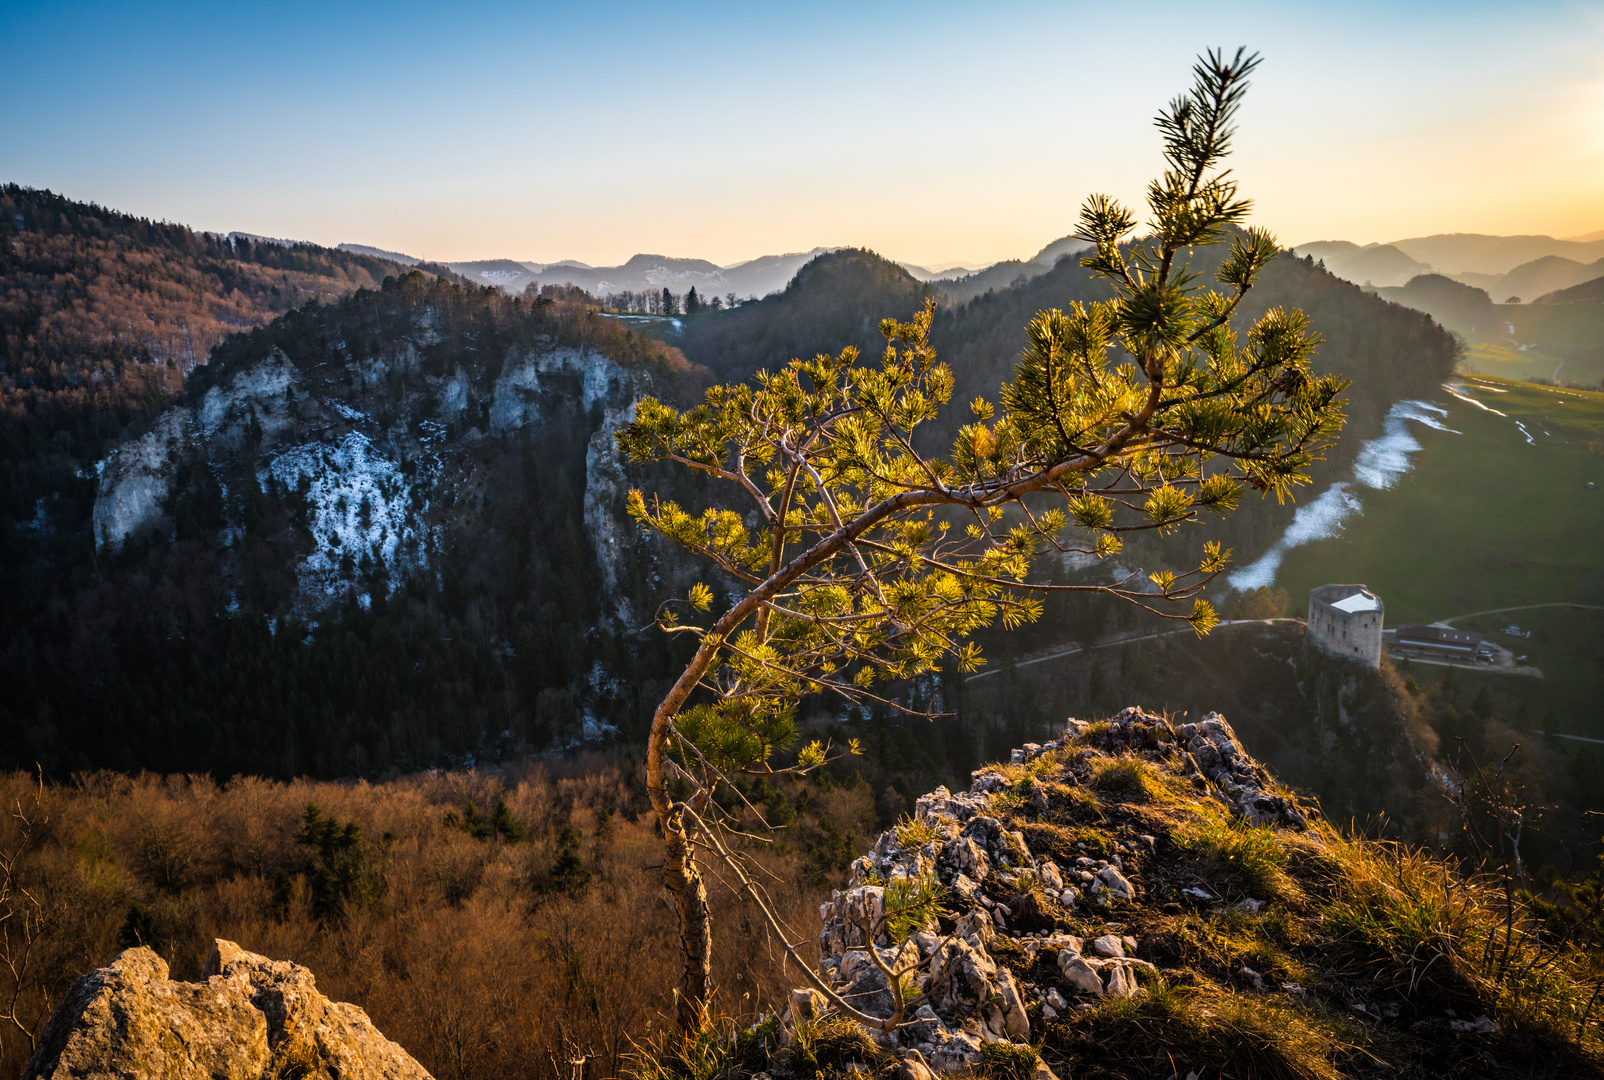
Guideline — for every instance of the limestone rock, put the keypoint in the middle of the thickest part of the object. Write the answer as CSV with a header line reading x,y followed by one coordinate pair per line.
x,y
1016,1023
1108,945
1121,983
1219,756
1114,882
807,1004
961,980
250,1018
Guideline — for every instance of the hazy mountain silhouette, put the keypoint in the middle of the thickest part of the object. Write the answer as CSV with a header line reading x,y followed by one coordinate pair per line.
x,y
1588,292
1371,264
1448,301
1462,253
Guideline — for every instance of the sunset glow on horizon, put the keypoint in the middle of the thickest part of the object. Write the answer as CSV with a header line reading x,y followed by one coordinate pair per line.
x,y
932,134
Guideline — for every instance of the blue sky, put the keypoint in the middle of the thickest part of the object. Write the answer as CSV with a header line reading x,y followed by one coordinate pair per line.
x,y
931,132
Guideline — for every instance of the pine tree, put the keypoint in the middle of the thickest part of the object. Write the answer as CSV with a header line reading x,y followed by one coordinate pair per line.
x,y
871,562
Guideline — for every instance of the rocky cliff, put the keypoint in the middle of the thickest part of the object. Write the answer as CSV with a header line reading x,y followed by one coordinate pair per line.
x,y
382,451
1141,898
403,513
249,1017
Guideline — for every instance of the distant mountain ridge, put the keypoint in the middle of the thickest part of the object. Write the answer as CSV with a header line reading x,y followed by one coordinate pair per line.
x,y
379,253
1478,253
1588,292
751,279
645,272
1370,264
1509,268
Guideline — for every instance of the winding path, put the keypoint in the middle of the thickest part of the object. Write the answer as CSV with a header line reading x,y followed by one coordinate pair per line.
x,y
1524,607
1122,640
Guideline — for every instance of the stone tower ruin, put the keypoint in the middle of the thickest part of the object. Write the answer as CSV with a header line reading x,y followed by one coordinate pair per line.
x,y
1346,620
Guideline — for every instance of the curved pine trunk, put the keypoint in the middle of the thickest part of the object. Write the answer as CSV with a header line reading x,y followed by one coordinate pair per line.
x,y
685,886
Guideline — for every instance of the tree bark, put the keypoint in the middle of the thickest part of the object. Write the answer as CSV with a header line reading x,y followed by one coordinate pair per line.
x,y
689,893
680,876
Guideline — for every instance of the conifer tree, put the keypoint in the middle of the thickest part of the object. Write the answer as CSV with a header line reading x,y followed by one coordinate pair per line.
x,y
855,561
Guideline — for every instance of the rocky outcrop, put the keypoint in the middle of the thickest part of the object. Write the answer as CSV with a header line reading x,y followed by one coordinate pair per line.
x,y
1005,951
380,456
249,1017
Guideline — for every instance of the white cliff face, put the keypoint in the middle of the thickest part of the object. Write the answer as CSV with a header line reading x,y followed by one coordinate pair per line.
x,y
136,480
259,391
521,396
360,504
521,392
516,402
608,527
454,397
379,475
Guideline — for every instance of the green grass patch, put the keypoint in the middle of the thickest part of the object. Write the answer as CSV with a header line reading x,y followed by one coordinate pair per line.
x,y
1008,1061
829,1047
1251,858
721,1051
913,834
1172,1029
1059,842
1563,342
1133,780
1485,520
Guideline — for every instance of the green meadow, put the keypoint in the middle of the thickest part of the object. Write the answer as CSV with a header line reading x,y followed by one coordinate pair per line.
x,y
1568,645
1563,342
1484,520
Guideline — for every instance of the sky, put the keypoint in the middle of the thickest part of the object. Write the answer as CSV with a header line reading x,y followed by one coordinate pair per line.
x,y
932,132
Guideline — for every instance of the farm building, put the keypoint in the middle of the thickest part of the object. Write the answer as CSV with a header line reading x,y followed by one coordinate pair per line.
x,y
1443,641
1346,620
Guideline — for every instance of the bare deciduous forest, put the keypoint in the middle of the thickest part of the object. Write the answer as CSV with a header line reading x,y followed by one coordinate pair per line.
x,y
495,925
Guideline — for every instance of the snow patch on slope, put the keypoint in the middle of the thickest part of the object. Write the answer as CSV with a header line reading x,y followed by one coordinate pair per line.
x,y
360,504
1380,463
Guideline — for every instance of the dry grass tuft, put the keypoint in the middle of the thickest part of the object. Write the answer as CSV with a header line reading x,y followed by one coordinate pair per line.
x,y
1171,1029
1241,858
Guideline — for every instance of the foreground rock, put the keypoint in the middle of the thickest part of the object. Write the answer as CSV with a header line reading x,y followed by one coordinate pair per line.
x,y
1140,898
249,1018
1006,897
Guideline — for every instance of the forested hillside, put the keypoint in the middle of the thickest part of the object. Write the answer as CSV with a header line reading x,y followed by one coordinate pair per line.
x,y
383,531
363,538
1388,351
834,301
101,316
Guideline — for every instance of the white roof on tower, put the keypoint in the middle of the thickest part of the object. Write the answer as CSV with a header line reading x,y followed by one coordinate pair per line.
x,y
1359,601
